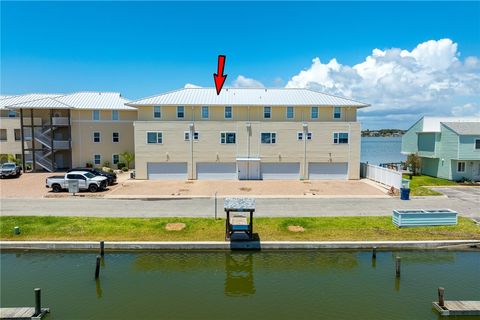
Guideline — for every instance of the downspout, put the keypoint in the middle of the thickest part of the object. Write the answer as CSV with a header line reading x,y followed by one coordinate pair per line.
x,y
305,136
192,132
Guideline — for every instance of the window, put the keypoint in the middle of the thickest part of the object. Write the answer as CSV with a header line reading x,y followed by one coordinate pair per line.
x,y
186,136
300,136
268,137
96,115
227,137
267,112
337,113
461,166
97,159
154,137
228,112
314,114
477,144
18,134
3,134
205,114
96,137
290,113
12,113
157,112
180,112
115,137
115,158
114,114
340,137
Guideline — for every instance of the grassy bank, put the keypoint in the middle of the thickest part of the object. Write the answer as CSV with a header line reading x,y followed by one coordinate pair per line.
x,y
419,185
198,229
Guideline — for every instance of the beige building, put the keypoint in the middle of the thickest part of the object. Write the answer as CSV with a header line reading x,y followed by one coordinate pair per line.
x,y
247,134
56,132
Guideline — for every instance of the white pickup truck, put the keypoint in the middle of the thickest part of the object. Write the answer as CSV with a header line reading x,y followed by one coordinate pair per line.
x,y
86,181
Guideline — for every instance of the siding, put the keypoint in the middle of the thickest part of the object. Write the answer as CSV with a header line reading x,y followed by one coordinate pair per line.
x,y
467,148
426,144
409,139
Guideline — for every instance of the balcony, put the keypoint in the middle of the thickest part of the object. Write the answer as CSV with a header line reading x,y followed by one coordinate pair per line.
x,y
60,121
61,144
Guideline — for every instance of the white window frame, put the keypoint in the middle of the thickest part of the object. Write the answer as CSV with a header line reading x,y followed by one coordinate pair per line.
x,y
340,117
95,112
475,144
6,134
155,112
208,112
12,113
115,115
273,138
464,166
311,112
186,135
157,133
300,135
178,109
338,137
225,139
99,137
293,113
99,161
113,158
225,112
20,134
269,112
113,138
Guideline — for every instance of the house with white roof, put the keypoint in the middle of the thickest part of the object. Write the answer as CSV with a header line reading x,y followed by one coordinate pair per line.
x,y
247,133
60,131
449,147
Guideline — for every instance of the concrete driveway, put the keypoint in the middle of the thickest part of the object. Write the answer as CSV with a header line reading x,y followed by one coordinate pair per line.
x,y
469,194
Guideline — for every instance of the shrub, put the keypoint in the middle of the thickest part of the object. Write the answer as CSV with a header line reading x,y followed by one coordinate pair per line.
x,y
121,165
414,162
89,165
106,164
124,169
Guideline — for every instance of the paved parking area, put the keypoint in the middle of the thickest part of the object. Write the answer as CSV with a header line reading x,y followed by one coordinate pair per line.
x,y
469,194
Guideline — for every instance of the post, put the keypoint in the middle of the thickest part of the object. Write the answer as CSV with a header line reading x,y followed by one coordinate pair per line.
x,y
102,248
374,253
16,230
441,292
397,266
97,268
215,205
38,302
22,134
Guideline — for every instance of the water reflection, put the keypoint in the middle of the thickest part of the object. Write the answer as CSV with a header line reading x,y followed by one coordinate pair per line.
x,y
239,274
98,288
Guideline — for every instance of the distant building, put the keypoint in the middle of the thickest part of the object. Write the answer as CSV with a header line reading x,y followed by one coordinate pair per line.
x,y
449,147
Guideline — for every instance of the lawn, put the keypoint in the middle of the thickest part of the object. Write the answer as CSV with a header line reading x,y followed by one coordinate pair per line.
x,y
204,229
419,185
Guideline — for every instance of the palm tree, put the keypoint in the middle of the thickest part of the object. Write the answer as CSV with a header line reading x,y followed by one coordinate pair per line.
x,y
128,158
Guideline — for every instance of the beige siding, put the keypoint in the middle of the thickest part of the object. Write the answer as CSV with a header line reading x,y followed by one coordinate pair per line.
x,y
10,146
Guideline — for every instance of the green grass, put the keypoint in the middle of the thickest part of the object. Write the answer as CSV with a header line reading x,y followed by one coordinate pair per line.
x,y
419,185
198,229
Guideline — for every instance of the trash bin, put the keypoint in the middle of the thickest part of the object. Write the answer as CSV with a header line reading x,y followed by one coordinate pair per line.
x,y
404,193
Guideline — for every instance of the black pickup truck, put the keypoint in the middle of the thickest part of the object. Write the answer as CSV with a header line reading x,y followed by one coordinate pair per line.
x,y
112,177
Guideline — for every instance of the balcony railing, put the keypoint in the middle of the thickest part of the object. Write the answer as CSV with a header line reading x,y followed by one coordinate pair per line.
x,y
60,121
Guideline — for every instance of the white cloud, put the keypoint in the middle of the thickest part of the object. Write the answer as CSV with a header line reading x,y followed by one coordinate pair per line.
x,y
190,85
467,110
244,82
430,79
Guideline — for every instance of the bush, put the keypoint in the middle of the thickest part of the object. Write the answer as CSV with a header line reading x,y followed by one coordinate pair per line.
x,y
89,165
121,165
124,169
106,164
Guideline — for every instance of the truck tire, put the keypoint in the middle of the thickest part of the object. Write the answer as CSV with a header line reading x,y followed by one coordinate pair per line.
x,y
56,188
93,188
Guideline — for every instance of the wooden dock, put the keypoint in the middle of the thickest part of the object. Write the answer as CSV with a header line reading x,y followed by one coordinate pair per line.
x,y
458,308
22,313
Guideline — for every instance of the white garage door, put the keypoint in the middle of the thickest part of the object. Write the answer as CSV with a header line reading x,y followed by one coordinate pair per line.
x,y
325,171
167,170
216,171
281,171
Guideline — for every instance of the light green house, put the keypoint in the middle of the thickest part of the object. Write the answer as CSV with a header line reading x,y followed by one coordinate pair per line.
x,y
449,148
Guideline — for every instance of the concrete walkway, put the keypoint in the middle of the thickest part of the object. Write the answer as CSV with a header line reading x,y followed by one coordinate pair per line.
x,y
204,207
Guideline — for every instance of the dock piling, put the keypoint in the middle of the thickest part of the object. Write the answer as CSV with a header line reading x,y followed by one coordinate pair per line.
x,y
97,267
38,302
102,248
441,292
16,230
374,253
397,266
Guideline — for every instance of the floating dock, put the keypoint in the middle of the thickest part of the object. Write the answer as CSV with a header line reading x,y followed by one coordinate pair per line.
x,y
458,308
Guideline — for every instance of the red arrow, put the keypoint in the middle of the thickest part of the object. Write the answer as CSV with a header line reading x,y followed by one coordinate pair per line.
x,y
218,77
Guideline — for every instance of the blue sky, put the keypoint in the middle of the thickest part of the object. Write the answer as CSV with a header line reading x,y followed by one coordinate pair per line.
x,y
141,49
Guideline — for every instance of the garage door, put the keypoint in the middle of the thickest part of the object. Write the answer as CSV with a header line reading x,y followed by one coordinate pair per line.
x,y
216,171
167,170
325,171
281,171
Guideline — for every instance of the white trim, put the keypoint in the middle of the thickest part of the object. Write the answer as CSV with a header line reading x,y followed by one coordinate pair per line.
x,y
464,166
96,154
474,144
225,112
339,132
115,154
271,133
208,112
157,132
286,113
333,115
311,113
309,133
118,115
183,112
159,111
118,133
99,137
270,112
188,132
234,132
93,115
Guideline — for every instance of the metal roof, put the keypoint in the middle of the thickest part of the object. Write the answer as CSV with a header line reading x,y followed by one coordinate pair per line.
x,y
78,100
464,128
247,97
432,124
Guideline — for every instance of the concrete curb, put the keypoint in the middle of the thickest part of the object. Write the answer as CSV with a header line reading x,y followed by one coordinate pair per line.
x,y
223,245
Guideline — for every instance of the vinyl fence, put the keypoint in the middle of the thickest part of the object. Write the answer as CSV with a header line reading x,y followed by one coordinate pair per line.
x,y
381,175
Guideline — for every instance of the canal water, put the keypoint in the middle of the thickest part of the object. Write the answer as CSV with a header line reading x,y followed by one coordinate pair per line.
x,y
240,285
377,150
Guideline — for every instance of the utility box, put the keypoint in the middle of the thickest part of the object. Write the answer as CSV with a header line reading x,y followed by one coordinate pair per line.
x,y
73,186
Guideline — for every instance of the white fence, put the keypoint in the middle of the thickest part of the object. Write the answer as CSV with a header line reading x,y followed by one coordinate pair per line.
x,y
381,175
